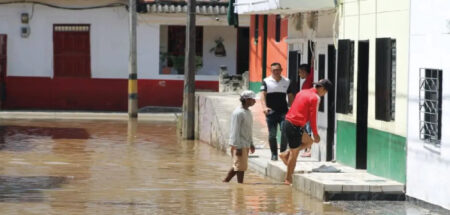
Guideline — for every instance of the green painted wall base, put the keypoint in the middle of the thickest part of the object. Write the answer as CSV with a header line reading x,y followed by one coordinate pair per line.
x,y
386,152
255,86
386,155
346,143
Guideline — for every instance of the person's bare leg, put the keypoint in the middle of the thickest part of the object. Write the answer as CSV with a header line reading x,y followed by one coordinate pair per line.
x,y
230,175
307,152
240,177
284,156
291,165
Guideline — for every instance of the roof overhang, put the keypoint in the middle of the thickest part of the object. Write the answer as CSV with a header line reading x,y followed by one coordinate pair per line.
x,y
202,7
282,6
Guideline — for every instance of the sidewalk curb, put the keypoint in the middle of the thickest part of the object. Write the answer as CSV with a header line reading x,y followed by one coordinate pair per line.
x,y
214,111
169,117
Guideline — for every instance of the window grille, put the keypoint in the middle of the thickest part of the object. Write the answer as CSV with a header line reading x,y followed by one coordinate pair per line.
x,y
394,77
71,28
430,110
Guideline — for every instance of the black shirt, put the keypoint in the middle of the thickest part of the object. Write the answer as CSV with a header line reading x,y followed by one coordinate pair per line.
x,y
276,93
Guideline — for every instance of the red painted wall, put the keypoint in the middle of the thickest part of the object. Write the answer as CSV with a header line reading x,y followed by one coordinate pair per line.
x,y
276,51
255,49
92,94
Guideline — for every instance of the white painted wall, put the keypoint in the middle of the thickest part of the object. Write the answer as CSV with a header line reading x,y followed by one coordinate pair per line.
x,y
428,168
368,20
211,63
33,56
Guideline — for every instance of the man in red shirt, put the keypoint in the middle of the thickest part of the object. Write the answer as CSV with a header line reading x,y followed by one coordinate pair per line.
x,y
307,73
304,109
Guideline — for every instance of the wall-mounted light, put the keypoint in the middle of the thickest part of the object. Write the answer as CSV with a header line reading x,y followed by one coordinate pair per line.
x,y
25,18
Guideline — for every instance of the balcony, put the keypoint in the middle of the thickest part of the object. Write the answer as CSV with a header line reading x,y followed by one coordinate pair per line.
x,y
282,6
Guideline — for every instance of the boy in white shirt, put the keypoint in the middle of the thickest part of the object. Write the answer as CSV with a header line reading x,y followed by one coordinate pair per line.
x,y
241,140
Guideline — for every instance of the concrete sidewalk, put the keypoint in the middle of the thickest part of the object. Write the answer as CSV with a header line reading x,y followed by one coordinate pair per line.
x,y
213,113
86,115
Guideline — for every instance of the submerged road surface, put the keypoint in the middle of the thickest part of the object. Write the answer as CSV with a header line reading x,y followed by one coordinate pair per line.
x,y
112,167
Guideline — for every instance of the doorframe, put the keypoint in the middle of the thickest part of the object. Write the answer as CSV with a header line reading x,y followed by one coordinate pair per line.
x,y
321,48
331,106
362,103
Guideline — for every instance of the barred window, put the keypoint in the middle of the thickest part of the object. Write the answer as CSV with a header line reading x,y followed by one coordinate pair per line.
x,y
430,100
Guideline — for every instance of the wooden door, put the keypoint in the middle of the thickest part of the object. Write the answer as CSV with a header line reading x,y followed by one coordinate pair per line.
x,y
72,54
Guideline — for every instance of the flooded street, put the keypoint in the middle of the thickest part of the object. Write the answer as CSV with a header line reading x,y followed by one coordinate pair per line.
x,y
110,167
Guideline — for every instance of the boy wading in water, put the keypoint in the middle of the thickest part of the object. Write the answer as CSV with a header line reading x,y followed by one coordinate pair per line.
x,y
241,140
304,109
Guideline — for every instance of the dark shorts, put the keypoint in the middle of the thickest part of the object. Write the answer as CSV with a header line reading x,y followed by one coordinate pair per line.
x,y
293,134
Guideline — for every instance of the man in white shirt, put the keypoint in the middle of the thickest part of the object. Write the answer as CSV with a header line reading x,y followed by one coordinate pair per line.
x,y
241,140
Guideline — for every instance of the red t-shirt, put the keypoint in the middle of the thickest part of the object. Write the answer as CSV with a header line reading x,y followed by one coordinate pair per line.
x,y
304,109
309,80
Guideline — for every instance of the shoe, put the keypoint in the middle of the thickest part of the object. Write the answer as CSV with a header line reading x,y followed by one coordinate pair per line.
x,y
274,157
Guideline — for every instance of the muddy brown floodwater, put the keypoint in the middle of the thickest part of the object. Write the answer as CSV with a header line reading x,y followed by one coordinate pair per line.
x,y
112,167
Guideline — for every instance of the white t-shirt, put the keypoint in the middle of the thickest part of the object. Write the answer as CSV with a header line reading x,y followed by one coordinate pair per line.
x,y
241,128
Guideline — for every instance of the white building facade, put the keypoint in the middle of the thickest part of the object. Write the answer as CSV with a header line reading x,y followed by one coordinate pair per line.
x,y
428,160
62,58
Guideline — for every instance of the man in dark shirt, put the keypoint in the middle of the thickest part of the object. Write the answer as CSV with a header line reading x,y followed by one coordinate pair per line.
x,y
273,100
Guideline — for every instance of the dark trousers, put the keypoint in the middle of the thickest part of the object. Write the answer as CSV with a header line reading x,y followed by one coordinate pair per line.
x,y
274,120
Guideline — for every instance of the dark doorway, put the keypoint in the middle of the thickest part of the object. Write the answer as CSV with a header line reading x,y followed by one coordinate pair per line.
x,y
2,70
294,62
243,50
362,104
321,69
331,101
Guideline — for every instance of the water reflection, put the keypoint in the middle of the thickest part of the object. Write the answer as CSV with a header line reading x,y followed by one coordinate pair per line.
x,y
21,138
130,168
27,188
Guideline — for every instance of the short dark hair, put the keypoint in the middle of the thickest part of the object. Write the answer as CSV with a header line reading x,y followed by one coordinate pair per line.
x,y
325,83
305,67
242,101
275,64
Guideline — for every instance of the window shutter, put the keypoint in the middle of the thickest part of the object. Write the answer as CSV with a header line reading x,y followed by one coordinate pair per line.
x,y
344,76
383,79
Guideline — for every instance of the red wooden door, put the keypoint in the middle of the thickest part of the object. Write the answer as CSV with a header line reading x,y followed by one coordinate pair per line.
x,y
72,55
2,69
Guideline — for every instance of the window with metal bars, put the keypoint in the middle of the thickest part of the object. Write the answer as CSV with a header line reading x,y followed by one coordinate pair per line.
x,y
430,100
